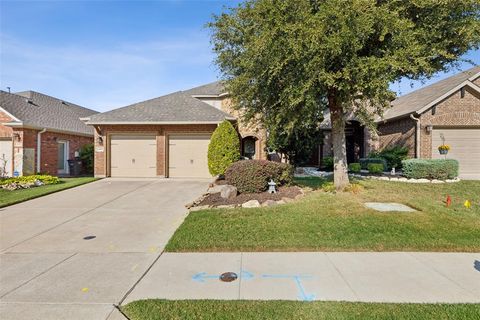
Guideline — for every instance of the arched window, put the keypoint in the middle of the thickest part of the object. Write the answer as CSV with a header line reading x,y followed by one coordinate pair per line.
x,y
248,147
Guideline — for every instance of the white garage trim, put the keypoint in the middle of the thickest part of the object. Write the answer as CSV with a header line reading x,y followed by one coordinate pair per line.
x,y
169,136
465,147
148,158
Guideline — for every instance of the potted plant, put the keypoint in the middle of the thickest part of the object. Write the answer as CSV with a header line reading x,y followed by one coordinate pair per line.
x,y
443,149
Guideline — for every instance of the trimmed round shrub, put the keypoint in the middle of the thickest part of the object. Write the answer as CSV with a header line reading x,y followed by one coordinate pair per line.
x,y
393,156
375,168
364,162
224,148
354,167
440,169
253,175
327,163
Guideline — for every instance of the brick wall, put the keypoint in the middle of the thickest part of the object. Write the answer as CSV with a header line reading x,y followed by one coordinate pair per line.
x,y
399,132
252,129
453,111
5,131
49,156
102,148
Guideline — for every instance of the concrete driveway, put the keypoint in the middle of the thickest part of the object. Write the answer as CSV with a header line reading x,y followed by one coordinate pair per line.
x,y
49,271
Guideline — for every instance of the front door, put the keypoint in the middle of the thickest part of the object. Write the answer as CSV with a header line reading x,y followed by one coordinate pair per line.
x,y
62,157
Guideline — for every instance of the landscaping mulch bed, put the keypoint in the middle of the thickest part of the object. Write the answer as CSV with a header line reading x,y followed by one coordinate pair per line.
x,y
215,199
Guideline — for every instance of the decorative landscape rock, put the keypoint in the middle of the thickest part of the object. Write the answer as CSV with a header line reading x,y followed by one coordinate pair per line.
x,y
228,192
287,200
214,189
269,203
280,202
251,204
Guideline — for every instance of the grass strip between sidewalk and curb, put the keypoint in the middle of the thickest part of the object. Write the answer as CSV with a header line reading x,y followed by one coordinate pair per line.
x,y
245,310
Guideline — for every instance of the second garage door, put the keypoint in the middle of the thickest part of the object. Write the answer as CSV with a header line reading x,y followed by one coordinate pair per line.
x,y
133,156
187,156
465,147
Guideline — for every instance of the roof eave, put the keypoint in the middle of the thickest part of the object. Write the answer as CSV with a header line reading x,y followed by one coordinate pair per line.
x,y
28,126
91,123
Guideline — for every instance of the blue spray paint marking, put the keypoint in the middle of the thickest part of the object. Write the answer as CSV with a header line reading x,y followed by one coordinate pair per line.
x,y
245,275
297,278
202,276
476,265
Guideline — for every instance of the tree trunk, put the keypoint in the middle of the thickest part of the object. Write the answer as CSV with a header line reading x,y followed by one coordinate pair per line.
x,y
337,118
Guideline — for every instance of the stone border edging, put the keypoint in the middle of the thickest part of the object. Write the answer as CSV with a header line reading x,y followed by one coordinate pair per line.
x,y
403,179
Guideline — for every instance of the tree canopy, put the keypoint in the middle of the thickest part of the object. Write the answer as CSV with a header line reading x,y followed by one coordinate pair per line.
x,y
291,59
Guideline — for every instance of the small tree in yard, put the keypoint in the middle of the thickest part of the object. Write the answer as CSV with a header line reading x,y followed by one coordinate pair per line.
x,y
224,148
295,58
86,154
296,140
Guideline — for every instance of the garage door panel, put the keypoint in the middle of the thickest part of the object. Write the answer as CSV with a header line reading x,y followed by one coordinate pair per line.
x,y
188,156
465,147
133,156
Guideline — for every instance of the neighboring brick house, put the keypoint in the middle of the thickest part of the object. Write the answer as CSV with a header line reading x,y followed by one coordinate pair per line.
x,y
447,111
39,133
168,136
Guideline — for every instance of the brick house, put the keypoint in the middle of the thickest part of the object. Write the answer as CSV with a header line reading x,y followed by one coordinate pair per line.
x,y
168,136
39,133
447,111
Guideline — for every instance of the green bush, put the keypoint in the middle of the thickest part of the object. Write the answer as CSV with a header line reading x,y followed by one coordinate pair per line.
x,y
430,168
327,163
364,162
393,156
86,155
254,175
354,167
224,148
46,179
375,168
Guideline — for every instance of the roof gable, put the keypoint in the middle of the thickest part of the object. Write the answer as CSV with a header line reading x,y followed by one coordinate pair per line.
x,y
422,99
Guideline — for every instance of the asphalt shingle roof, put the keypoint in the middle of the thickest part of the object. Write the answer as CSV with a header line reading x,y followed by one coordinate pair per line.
x,y
420,98
215,89
175,107
39,110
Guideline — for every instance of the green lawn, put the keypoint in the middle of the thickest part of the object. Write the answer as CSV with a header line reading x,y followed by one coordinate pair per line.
x,y
231,310
340,222
8,198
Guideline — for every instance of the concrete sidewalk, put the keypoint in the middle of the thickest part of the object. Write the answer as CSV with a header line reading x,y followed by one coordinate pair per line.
x,y
335,276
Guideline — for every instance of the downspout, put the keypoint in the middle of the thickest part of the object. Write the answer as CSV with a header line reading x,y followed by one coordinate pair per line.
x,y
417,135
39,147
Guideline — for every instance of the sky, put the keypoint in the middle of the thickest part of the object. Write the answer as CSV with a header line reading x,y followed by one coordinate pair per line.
x,y
109,54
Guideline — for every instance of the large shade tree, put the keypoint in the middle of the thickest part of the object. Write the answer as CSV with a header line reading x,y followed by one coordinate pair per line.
x,y
292,58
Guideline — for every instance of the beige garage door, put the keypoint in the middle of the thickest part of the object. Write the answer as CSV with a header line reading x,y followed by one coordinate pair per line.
x,y
465,147
133,156
187,156
6,157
